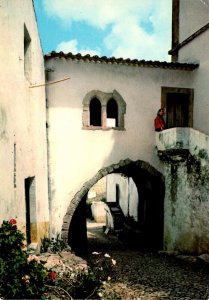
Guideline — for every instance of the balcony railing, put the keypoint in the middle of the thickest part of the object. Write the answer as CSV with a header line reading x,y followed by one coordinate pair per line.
x,y
182,140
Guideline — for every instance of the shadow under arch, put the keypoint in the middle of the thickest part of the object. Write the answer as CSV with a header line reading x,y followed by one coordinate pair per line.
x,y
151,188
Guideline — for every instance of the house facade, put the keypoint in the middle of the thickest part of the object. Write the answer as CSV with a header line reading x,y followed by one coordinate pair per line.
x,y
79,128
107,109
96,119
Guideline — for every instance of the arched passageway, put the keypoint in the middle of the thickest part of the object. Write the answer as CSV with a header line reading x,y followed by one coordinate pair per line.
x,y
150,186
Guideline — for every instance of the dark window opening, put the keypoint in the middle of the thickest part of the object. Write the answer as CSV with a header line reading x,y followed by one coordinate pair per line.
x,y
27,54
112,113
95,112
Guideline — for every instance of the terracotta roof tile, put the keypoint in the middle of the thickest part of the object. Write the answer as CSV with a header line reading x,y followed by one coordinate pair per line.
x,y
128,61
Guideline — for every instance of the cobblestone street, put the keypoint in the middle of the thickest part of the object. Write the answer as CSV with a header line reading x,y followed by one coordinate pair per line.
x,y
146,276
149,276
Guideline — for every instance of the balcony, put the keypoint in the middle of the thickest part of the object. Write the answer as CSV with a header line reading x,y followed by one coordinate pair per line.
x,y
177,143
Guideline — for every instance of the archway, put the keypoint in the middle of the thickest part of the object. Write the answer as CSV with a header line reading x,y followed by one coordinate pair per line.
x,y
150,186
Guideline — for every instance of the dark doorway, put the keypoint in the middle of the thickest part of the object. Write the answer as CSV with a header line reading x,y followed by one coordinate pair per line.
x,y
179,106
177,110
30,209
148,230
77,234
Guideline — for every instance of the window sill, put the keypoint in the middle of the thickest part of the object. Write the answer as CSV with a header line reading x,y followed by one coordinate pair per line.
x,y
103,128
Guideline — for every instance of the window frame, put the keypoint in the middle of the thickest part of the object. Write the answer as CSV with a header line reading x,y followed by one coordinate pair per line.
x,y
103,98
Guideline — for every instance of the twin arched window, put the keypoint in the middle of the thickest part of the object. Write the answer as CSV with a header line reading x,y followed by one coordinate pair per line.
x,y
103,110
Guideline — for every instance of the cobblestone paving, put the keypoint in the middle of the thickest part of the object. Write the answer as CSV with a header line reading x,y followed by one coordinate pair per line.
x,y
147,276
151,276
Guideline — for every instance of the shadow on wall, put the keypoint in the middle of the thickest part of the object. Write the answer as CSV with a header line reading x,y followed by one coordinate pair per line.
x,y
148,230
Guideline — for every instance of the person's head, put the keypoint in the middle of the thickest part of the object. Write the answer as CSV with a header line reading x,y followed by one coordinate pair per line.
x,y
161,111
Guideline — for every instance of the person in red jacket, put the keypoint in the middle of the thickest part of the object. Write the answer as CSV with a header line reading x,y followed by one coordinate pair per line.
x,y
159,120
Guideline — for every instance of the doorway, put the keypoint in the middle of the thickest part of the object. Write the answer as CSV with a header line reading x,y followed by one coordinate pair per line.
x,y
30,210
179,106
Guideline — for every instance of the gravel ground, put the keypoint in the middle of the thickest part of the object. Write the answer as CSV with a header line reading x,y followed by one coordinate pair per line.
x,y
150,276
154,276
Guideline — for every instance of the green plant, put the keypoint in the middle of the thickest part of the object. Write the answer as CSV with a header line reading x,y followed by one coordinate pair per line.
x,y
84,284
20,277
53,245
23,276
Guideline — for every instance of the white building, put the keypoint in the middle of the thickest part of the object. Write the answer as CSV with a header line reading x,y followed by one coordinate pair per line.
x,y
100,122
23,151
129,92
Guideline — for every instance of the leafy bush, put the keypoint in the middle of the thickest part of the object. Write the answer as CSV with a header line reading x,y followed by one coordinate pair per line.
x,y
23,276
20,277
84,284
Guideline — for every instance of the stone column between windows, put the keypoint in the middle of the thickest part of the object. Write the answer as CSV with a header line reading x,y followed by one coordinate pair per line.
x,y
104,116
86,117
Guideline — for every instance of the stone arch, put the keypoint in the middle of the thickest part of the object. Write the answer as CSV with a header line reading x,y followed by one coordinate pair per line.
x,y
126,166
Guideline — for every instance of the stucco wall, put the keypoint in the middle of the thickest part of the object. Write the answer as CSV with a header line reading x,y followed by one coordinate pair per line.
x,y
23,151
193,16
185,153
128,195
85,152
195,51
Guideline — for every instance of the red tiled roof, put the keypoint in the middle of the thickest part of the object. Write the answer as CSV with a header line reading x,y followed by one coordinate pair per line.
x,y
122,61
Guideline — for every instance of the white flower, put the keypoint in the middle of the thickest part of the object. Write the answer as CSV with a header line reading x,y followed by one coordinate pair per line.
x,y
113,262
95,253
106,255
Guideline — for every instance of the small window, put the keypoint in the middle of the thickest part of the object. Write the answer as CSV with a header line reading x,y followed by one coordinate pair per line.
x,y
27,54
95,112
112,113
103,111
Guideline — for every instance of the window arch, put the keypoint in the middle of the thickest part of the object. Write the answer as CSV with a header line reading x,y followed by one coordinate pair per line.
x,y
103,110
95,112
112,113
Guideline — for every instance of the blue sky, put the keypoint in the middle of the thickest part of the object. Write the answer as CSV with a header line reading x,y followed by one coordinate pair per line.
x,y
136,29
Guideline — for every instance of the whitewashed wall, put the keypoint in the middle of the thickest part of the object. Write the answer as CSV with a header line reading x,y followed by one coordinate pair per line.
x,y
76,155
22,117
196,51
128,199
193,16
